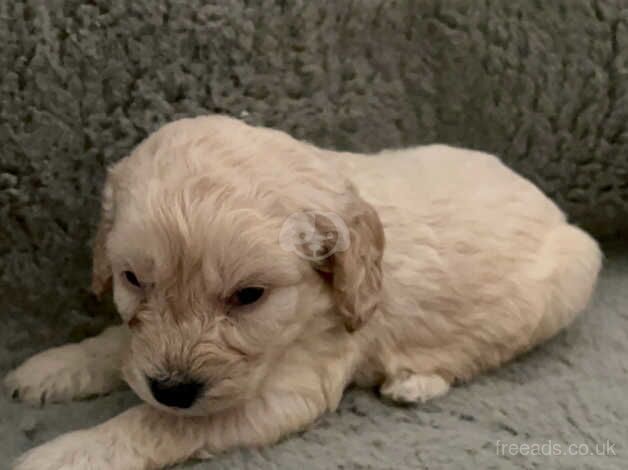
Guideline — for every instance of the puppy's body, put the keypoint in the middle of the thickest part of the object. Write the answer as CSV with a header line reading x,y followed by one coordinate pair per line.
x,y
477,266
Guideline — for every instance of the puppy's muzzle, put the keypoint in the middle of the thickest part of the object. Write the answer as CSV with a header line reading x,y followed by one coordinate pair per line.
x,y
175,394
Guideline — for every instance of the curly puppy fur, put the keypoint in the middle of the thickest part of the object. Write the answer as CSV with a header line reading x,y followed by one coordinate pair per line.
x,y
454,265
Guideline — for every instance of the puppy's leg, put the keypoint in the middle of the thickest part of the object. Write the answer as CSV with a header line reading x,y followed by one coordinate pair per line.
x,y
408,387
566,268
91,367
145,438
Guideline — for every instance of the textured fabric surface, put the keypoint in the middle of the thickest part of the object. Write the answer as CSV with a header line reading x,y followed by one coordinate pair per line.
x,y
571,390
544,84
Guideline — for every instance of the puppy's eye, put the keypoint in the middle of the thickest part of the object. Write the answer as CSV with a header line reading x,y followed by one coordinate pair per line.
x,y
247,295
131,278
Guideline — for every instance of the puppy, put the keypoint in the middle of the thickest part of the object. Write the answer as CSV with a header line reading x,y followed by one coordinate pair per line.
x,y
258,276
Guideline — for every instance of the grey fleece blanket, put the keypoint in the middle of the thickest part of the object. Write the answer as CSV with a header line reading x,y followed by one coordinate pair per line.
x,y
541,83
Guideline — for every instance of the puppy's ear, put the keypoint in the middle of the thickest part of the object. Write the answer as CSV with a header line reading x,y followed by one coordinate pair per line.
x,y
101,268
355,271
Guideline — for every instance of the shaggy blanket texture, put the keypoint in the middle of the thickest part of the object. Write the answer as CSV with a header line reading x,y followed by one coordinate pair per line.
x,y
570,391
544,84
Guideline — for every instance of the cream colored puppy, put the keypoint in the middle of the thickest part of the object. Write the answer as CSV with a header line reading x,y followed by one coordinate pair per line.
x,y
258,276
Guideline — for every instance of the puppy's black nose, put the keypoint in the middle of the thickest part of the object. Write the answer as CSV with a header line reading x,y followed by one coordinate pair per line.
x,y
175,394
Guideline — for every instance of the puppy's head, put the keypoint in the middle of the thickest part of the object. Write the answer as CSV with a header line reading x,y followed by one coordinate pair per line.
x,y
226,245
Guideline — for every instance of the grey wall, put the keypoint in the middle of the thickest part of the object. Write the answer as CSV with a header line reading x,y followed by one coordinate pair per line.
x,y
542,83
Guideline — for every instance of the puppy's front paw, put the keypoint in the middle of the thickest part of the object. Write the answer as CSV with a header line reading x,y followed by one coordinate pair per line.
x,y
80,450
412,388
59,374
